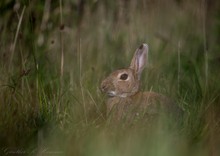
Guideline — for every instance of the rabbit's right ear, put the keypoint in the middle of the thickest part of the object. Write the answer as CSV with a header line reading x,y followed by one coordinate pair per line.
x,y
139,60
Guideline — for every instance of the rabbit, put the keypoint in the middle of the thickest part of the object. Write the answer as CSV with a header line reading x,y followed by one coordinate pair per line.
x,y
124,97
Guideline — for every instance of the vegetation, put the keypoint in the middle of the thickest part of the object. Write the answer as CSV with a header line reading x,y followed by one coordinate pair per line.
x,y
53,56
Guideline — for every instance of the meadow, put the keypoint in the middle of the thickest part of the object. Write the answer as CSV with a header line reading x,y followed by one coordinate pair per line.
x,y
54,54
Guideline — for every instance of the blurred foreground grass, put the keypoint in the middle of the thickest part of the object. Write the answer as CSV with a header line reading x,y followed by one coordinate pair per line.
x,y
54,55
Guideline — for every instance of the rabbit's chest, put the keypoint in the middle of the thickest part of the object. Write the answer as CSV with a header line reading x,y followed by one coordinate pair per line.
x,y
121,108
134,107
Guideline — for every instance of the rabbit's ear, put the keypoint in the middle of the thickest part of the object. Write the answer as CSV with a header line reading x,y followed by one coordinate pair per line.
x,y
139,59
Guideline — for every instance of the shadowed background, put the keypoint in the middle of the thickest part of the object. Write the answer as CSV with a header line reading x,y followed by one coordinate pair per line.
x,y
54,54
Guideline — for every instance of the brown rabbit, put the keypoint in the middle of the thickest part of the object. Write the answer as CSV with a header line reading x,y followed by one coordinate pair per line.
x,y
122,88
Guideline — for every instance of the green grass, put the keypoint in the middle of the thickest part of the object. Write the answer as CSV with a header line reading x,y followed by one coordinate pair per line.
x,y
46,107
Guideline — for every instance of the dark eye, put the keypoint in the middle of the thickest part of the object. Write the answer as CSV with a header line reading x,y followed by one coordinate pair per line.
x,y
124,76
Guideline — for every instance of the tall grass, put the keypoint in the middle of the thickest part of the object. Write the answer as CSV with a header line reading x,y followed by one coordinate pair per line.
x,y
50,100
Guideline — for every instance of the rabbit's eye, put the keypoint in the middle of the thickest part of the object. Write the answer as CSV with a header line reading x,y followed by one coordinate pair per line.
x,y
124,76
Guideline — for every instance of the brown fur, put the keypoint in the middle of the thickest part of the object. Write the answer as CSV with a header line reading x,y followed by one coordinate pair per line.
x,y
141,104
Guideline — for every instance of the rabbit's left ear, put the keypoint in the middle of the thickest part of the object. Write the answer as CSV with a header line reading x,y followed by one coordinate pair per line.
x,y
139,60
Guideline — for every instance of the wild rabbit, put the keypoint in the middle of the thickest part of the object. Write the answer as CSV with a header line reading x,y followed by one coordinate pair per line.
x,y
122,87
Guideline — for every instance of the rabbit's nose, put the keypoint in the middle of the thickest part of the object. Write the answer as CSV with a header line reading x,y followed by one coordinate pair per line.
x,y
103,87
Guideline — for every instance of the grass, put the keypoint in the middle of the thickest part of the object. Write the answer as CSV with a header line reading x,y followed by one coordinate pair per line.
x,y
51,69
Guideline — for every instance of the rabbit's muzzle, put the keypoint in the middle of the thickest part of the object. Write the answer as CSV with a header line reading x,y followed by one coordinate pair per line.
x,y
107,87
103,87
